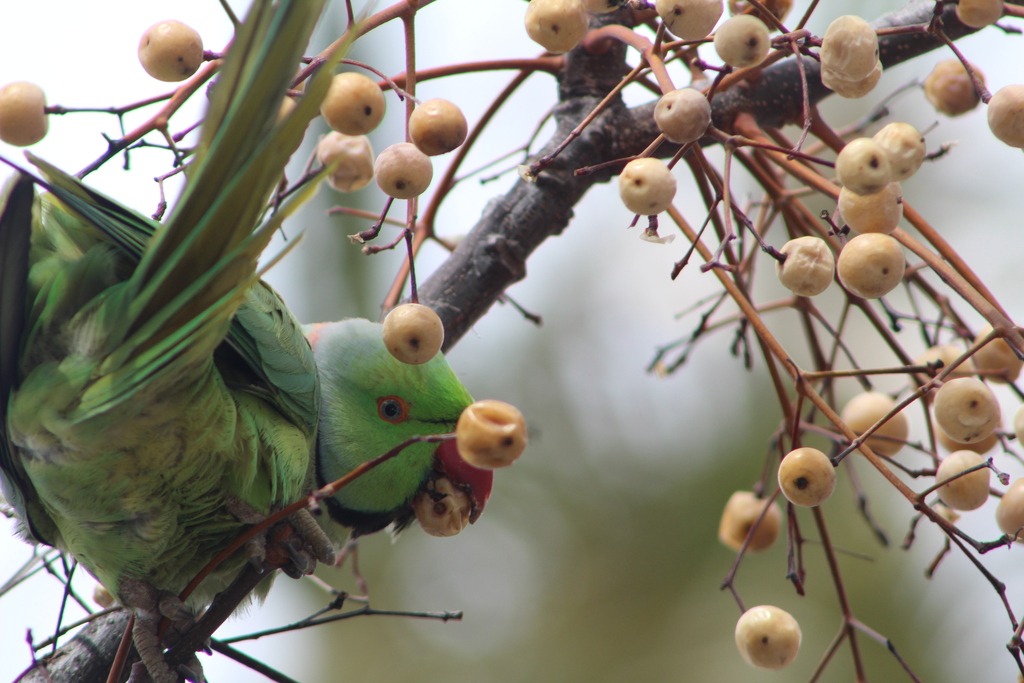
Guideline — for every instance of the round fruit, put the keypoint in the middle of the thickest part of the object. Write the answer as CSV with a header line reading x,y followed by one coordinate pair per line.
x,y
739,515
863,166
851,88
170,51
23,119
742,41
947,353
490,434
871,265
683,115
808,268
413,333
1018,425
807,477
557,25
353,105
779,8
949,88
966,409
437,126
979,13
905,146
1006,115
402,171
864,410
980,446
1010,511
442,510
968,492
849,48
647,186
878,212
997,357
353,159
768,637
689,19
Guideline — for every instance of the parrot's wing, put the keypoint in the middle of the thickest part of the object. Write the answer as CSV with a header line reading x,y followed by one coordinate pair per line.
x,y
15,239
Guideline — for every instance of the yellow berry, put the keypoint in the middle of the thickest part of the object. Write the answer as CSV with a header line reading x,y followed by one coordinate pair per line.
x,y
779,8
437,126
871,265
170,51
491,434
966,409
352,157
742,41
949,88
442,509
23,120
1018,425
1010,511
808,268
413,333
863,166
768,637
647,186
353,105
402,171
865,409
807,477
683,115
878,212
968,492
102,597
905,146
851,88
557,25
689,19
1006,115
979,13
849,48
948,354
997,357
739,515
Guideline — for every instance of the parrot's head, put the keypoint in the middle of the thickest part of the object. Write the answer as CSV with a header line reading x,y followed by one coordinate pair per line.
x,y
371,403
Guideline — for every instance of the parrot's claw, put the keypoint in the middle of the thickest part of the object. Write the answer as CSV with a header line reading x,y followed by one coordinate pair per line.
x,y
150,606
295,545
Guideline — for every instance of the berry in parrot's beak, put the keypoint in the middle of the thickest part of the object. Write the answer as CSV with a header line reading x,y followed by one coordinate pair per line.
x,y
476,483
442,509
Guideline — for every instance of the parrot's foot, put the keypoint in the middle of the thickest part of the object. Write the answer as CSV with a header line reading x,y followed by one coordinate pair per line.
x,y
150,606
351,550
295,544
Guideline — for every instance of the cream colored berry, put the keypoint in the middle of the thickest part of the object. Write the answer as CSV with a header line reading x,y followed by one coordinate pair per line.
x,y
647,186
807,477
170,51
779,8
683,115
442,509
742,41
979,13
997,358
739,515
352,157
949,87
871,265
557,25
863,166
1018,425
102,597
968,492
491,434
966,409
905,146
23,119
602,6
849,48
402,171
865,409
437,126
1010,511
353,105
948,354
851,88
768,637
980,446
809,266
689,19
878,212
1006,115
413,333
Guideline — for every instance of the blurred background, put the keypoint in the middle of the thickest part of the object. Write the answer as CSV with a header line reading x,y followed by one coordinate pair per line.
x,y
597,558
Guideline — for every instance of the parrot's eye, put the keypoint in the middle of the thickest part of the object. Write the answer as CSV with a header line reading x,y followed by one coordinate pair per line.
x,y
392,409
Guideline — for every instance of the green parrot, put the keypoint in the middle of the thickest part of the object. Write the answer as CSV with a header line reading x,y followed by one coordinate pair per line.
x,y
157,397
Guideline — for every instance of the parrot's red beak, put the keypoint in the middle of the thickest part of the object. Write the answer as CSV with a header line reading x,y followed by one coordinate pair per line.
x,y
475,482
